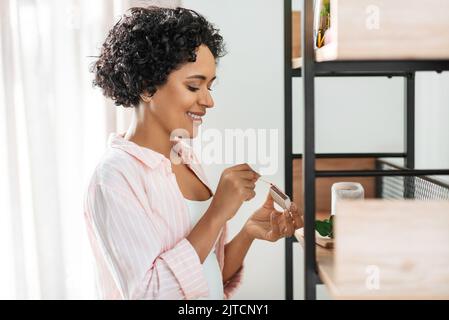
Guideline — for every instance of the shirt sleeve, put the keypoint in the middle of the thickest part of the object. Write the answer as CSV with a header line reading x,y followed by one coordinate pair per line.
x,y
131,245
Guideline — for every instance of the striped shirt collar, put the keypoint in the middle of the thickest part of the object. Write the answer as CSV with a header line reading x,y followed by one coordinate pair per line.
x,y
149,157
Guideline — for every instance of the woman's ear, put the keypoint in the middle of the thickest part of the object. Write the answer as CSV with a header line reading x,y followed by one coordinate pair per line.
x,y
145,97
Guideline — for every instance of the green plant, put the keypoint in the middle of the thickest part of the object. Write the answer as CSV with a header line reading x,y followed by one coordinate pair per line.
x,y
324,22
325,227
325,8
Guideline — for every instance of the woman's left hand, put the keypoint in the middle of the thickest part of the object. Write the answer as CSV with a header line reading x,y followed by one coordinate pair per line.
x,y
269,224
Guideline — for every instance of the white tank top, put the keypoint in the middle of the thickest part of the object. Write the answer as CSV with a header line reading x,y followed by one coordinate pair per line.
x,y
210,265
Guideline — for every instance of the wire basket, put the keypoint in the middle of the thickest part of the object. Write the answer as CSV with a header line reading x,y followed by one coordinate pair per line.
x,y
410,187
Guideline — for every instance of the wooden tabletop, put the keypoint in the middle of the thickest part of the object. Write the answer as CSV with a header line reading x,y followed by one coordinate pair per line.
x,y
387,249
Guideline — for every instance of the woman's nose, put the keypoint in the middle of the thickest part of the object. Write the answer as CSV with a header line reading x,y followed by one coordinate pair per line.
x,y
206,100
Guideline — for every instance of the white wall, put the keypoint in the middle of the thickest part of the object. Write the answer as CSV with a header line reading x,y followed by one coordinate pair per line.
x,y
432,121
352,115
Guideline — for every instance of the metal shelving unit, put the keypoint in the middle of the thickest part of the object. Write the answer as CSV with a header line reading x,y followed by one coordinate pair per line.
x,y
311,69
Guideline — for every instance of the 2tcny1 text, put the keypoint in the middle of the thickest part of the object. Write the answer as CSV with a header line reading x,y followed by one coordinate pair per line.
x,y
226,310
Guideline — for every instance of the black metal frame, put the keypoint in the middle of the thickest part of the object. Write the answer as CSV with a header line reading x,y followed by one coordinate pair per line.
x,y
311,69
431,180
288,139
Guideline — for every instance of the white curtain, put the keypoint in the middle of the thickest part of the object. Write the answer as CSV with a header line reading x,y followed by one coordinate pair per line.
x,y
53,130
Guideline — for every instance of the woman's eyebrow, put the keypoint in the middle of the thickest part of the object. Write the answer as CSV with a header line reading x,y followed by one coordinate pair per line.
x,y
201,77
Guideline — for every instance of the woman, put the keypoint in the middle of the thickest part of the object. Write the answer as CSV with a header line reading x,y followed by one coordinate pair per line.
x,y
156,228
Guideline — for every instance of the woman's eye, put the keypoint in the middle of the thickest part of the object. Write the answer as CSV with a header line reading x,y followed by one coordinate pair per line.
x,y
193,89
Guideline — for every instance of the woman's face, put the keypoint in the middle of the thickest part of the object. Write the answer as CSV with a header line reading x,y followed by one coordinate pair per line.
x,y
183,100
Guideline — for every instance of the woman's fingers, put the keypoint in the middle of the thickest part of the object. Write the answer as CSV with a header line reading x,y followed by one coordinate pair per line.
x,y
241,167
284,224
289,227
275,221
249,184
248,175
245,171
248,193
298,221
281,225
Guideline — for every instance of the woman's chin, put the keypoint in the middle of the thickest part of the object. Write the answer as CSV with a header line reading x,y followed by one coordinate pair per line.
x,y
192,128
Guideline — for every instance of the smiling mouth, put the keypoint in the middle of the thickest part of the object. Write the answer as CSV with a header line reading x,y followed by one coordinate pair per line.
x,y
195,118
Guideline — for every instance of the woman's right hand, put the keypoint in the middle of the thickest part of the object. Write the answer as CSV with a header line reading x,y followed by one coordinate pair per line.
x,y
236,185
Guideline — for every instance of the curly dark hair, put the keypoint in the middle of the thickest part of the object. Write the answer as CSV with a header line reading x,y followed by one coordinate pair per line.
x,y
146,45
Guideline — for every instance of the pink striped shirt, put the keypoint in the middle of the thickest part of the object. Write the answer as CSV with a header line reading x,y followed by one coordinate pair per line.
x,y
137,222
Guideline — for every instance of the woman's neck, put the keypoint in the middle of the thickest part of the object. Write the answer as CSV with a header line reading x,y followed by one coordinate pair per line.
x,y
147,132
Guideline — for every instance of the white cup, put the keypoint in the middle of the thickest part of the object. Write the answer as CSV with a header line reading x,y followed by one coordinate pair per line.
x,y
346,190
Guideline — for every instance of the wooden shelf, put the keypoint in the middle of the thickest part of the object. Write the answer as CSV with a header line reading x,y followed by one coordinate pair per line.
x,y
387,30
325,257
325,263
387,249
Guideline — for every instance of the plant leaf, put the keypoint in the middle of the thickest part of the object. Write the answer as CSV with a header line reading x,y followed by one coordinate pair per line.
x,y
331,221
324,228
